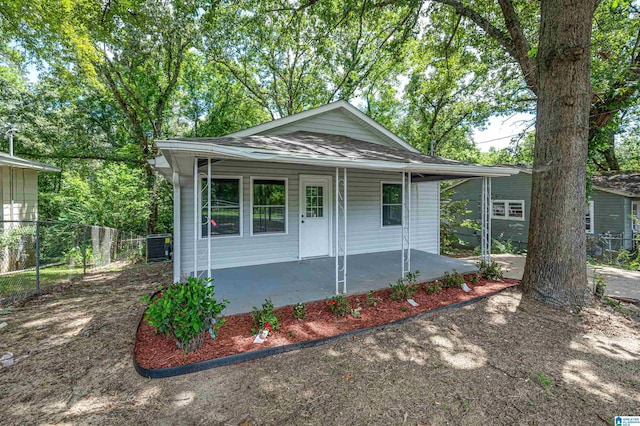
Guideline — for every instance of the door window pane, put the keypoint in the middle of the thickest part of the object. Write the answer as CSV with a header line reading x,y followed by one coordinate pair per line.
x,y
314,201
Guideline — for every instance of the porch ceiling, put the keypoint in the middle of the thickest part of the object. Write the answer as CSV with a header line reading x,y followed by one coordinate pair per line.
x,y
321,150
314,279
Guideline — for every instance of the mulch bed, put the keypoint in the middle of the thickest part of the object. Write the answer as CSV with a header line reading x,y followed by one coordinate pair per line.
x,y
154,351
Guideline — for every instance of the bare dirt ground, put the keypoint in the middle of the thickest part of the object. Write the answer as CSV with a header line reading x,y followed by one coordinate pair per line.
x,y
505,360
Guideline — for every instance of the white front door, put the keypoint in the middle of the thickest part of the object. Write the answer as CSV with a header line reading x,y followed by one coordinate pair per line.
x,y
315,203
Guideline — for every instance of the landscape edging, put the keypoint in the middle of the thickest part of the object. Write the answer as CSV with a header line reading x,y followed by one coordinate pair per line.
x,y
160,373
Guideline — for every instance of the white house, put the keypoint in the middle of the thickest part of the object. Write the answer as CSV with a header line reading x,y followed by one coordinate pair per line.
x,y
327,183
19,182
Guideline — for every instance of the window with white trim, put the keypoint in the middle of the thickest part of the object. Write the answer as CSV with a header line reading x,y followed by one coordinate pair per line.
x,y
269,206
635,216
507,209
391,204
226,206
588,217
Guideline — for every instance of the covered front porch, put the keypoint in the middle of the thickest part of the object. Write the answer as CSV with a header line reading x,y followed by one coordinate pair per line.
x,y
306,280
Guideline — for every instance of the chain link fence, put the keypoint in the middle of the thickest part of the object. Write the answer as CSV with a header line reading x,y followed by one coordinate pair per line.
x,y
614,249
38,254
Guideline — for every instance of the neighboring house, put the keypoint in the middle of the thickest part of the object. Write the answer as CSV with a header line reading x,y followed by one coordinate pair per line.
x,y
19,199
324,183
614,201
19,182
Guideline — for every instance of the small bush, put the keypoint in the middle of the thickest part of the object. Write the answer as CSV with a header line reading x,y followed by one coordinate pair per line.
x,y
339,305
490,270
434,287
474,278
185,312
371,300
265,318
299,311
600,284
401,290
411,278
356,312
452,280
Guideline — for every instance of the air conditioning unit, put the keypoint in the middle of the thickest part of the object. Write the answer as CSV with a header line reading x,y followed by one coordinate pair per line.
x,y
159,247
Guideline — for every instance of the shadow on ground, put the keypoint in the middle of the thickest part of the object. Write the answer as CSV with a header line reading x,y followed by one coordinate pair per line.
x,y
504,360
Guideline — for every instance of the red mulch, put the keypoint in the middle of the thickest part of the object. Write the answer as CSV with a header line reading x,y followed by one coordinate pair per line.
x,y
157,351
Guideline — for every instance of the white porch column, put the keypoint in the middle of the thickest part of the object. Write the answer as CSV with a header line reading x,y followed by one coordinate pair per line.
x,y
485,239
406,223
196,219
176,228
208,217
341,246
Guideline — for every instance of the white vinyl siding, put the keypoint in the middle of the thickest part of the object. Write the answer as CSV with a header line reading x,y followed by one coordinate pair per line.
x,y
364,217
25,194
334,123
507,209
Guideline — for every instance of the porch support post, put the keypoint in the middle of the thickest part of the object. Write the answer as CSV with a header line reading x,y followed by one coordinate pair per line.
x,y
341,246
177,236
406,223
196,221
485,240
344,214
337,231
208,217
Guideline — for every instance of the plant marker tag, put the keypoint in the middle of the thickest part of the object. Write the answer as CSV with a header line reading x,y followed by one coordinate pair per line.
x,y
3,325
412,302
261,337
465,287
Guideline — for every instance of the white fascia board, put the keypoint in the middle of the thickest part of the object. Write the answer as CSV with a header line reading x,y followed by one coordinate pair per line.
x,y
359,115
27,164
232,153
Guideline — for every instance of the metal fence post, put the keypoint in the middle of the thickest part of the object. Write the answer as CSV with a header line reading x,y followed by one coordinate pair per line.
x,y
84,250
37,257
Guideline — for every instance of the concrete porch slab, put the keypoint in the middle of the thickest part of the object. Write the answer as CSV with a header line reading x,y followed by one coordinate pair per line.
x,y
314,279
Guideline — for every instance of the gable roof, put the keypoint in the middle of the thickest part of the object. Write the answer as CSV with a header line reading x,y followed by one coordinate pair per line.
x,y
343,106
23,163
625,184
326,150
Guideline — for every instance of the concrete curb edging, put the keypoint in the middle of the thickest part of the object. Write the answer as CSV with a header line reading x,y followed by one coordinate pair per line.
x,y
159,373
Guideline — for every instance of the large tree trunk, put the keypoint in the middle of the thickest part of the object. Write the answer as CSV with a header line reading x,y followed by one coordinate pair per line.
x,y
555,272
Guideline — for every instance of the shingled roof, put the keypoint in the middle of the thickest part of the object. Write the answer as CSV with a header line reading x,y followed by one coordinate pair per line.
x,y
627,182
324,145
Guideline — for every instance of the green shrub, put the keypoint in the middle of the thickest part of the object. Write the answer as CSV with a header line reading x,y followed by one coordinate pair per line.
x,y
265,318
371,300
402,291
339,305
452,280
474,278
185,312
434,287
411,278
356,312
490,270
600,284
299,311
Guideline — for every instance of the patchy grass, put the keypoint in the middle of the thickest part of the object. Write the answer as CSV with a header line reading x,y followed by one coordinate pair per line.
x,y
25,282
486,363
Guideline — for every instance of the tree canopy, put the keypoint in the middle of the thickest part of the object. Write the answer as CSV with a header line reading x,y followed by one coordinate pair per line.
x,y
89,85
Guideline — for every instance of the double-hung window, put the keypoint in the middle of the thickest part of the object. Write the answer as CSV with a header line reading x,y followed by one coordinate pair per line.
x,y
269,206
507,209
226,206
588,217
391,204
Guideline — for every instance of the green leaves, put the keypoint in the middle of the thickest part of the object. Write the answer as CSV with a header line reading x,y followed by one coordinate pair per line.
x,y
185,311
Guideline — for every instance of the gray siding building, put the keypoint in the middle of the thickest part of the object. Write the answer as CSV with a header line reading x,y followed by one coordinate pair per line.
x,y
613,207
